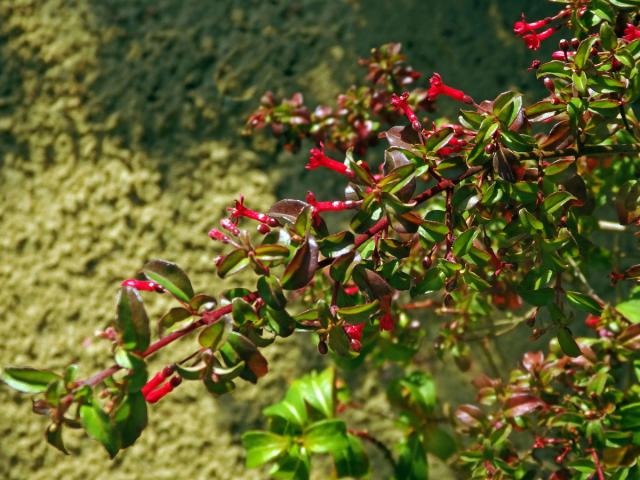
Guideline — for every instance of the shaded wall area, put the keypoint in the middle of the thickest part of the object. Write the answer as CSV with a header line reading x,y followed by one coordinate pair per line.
x,y
119,142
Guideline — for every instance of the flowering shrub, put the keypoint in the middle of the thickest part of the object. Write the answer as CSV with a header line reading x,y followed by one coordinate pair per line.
x,y
492,215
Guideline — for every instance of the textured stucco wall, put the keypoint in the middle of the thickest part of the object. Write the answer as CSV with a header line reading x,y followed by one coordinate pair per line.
x,y
119,142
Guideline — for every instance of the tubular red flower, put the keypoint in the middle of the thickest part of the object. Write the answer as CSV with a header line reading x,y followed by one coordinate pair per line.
x,y
241,211
439,88
400,103
162,391
631,33
319,159
335,206
533,39
144,285
157,379
521,27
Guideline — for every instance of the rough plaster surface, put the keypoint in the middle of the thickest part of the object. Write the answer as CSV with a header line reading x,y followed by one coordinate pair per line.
x,y
119,142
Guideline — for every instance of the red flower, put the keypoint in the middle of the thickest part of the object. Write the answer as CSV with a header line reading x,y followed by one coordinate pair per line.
x,y
157,379
386,321
533,39
439,88
319,159
354,332
522,27
146,286
241,211
631,33
400,103
159,393
592,321
335,206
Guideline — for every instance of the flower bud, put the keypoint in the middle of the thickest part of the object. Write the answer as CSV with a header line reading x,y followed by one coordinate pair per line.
x,y
564,44
322,347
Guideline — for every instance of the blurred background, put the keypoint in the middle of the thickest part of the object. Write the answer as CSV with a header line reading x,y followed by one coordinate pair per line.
x,y
120,142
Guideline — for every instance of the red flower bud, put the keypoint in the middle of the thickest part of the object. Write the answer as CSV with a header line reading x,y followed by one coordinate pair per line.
x,y
263,229
230,226
143,285
216,234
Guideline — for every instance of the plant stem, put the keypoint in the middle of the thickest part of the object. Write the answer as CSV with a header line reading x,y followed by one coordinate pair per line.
x,y
376,443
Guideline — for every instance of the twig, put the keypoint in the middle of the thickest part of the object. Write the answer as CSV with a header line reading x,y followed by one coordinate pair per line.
x,y
377,443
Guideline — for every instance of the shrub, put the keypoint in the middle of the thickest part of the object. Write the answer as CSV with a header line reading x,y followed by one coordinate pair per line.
x,y
495,215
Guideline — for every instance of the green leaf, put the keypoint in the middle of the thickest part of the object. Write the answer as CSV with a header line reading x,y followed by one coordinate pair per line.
x,y
97,424
584,302
463,243
280,321
556,200
234,262
317,390
630,310
271,253
432,281
295,465
203,300
214,336
53,435
342,267
132,321
173,316
302,267
28,380
538,297
171,277
256,365
271,292
339,341
439,139
263,446
292,409
412,461
529,221
584,51
568,343
608,37
351,460
131,418
359,313
336,244
243,312
326,436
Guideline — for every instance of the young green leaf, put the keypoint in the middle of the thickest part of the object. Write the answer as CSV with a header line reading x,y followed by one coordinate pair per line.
x,y
263,446
326,436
